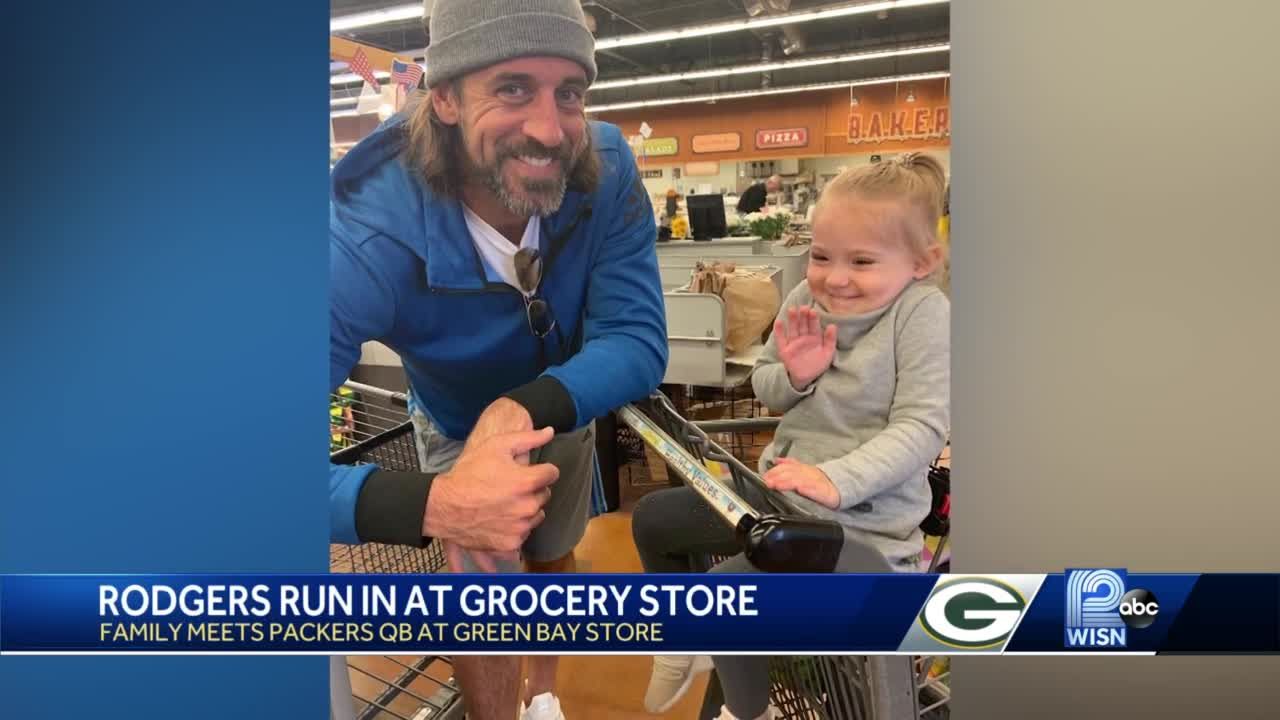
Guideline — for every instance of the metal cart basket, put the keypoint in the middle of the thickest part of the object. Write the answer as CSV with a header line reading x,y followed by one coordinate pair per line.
x,y
371,425
778,539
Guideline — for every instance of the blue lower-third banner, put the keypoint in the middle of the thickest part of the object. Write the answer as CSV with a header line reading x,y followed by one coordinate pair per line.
x,y
1079,611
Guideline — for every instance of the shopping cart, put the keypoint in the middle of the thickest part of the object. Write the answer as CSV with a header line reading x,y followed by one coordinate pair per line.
x,y
779,538
372,426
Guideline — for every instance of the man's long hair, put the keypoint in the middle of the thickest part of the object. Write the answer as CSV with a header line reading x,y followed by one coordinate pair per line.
x,y
435,152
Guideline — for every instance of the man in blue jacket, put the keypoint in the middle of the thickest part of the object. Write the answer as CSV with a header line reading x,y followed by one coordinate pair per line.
x,y
503,246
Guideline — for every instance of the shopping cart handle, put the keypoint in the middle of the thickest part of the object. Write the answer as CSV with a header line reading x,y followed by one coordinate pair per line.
x,y
777,544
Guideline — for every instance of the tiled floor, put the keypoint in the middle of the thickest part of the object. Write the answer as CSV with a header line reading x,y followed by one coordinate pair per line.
x,y
612,688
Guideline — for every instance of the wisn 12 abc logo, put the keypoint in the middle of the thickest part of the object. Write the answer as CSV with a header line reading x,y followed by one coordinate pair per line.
x,y
1100,612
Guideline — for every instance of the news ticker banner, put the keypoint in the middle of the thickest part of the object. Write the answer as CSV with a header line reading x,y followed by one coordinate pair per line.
x,y
1079,611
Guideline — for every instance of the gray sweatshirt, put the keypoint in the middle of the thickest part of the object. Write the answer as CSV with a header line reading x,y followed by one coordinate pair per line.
x,y
875,420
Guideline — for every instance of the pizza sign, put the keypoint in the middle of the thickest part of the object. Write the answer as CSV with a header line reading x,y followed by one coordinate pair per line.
x,y
790,137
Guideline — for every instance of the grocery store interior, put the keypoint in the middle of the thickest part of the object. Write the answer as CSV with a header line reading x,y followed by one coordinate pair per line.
x,y
738,113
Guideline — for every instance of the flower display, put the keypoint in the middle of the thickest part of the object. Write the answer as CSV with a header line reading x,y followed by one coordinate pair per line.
x,y
679,227
768,224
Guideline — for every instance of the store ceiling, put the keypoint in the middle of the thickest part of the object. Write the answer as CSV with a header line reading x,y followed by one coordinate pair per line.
x,y
899,27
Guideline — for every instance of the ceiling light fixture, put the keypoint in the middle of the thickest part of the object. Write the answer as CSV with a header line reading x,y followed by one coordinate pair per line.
x,y
770,67
756,23
714,97
395,13
348,78
771,91
398,13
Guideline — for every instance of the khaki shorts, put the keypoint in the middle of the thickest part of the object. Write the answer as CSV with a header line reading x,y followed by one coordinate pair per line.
x,y
570,503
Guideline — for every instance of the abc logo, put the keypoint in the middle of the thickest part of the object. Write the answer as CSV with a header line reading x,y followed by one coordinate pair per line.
x,y
972,614
1138,608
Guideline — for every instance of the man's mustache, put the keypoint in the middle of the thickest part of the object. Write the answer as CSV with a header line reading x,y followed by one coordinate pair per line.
x,y
534,149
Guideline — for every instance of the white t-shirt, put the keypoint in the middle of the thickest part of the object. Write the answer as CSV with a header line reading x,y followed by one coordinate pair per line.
x,y
497,252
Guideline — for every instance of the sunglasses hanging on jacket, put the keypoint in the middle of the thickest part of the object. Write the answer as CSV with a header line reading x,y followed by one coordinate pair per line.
x,y
529,272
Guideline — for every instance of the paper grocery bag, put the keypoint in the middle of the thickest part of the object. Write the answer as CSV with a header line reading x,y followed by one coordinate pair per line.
x,y
751,301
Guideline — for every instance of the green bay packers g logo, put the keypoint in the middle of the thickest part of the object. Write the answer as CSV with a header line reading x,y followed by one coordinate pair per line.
x,y
973,613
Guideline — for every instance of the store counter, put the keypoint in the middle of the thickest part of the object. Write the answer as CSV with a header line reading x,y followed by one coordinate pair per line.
x,y
677,259
748,243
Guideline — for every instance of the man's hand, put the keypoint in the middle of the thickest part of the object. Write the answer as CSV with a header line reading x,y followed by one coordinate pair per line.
x,y
485,561
489,500
805,348
503,415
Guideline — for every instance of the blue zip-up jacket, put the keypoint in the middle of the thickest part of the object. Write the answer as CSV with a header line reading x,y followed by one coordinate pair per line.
x,y
404,271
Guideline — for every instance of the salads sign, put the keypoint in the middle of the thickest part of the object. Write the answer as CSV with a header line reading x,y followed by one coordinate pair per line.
x,y
658,147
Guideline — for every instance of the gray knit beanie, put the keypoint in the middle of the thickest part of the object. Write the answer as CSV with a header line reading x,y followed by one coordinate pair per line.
x,y
468,35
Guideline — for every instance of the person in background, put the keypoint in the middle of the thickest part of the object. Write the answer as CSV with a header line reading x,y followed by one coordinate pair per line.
x,y
859,365
503,247
754,197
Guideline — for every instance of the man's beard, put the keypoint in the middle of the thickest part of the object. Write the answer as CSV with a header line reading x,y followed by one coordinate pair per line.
x,y
532,197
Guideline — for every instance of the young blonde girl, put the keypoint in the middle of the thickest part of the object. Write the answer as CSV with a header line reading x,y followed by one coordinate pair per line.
x,y
859,365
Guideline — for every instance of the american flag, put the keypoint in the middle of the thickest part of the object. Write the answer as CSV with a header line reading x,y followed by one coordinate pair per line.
x,y
406,74
360,65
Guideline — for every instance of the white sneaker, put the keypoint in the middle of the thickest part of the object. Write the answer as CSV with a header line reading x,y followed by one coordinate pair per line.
x,y
770,713
672,676
542,707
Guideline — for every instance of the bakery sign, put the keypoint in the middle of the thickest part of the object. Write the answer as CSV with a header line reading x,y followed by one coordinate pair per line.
x,y
786,138
917,123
